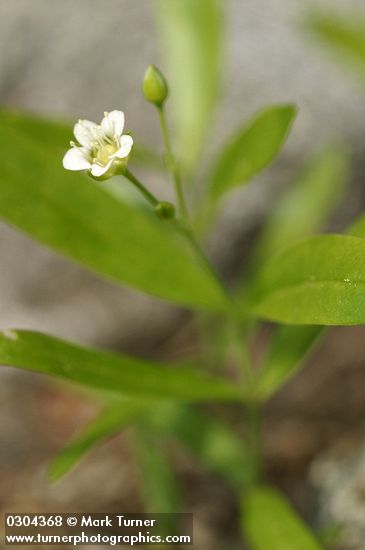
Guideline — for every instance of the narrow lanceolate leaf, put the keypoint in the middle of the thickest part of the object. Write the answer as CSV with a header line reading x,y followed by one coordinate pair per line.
x,y
159,486
73,215
320,281
214,444
269,522
288,350
342,36
306,205
192,38
103,370
252,148
113,419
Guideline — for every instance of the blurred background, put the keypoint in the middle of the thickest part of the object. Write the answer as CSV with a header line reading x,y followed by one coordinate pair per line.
x,y
77,58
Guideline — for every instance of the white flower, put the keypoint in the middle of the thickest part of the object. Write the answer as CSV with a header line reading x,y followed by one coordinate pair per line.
x,y
102,148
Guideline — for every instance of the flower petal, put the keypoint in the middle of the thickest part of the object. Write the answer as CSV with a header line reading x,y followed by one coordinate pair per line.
x,y
77,158
97,170
113,124
87,132
126,144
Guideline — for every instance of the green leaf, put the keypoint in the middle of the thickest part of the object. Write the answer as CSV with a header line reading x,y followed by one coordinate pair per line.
x,y
357,228
287,352
343,36
104,370
112,420
159,487
305,206
51,134
330,536
212,442
252,148
192,35
269,522
56,134
303,210
76,217
320,281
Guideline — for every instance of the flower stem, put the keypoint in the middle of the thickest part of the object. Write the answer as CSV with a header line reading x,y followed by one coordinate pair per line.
x,y
173,166
252,406
139,185
184,229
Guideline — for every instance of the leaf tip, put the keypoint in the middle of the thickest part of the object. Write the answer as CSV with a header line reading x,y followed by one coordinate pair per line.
x,y
57,470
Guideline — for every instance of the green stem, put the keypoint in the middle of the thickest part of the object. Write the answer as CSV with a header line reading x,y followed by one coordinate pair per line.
x,y
252,407
241,348
183,229
253,411
149,196
172,165
187,232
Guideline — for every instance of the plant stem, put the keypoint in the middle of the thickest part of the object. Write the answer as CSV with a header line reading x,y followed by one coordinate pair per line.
x,y
189,235
253,411
241,347
149,196
183,229
252,407
173,166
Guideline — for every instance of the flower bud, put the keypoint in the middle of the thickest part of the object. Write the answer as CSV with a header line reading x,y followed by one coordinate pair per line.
x,y
165,210
155,88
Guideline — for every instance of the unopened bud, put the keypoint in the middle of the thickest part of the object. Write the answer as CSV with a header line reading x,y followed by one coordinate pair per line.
x,y
155,88
165,210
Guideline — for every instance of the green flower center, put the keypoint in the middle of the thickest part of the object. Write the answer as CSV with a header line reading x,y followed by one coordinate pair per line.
x,y
104,153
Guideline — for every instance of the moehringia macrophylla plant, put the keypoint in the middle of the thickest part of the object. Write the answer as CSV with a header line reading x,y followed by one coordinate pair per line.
x,y
102,149
104,153
116,239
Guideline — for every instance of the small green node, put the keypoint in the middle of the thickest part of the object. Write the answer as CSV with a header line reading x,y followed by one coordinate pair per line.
x,y
165,210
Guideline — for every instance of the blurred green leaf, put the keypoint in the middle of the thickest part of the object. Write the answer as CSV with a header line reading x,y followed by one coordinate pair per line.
x,y
112,420
269,522
286,354
146,158
192,39
344,36
54,135
330,537
306,206
104,370
252,148
159,485
71,214
215,445
357,228
319,281
291,345
57,134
